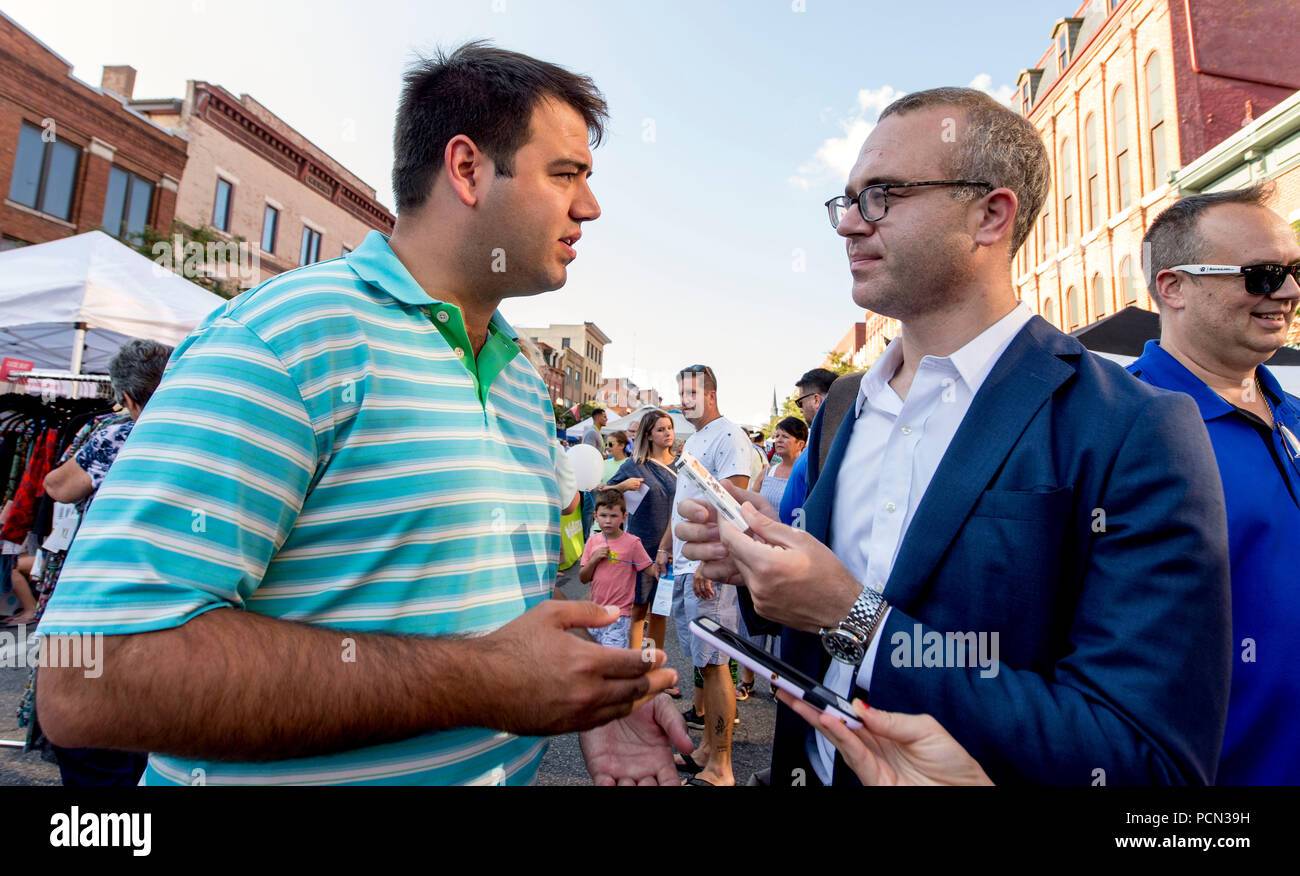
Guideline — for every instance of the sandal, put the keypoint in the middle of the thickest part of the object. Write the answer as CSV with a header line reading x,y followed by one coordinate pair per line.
x,y
687,765
743,690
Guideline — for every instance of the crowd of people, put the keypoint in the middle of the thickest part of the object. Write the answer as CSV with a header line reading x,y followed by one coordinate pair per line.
x,y
328,551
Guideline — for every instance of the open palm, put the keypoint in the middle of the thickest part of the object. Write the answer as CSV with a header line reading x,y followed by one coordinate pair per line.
x,y
638,749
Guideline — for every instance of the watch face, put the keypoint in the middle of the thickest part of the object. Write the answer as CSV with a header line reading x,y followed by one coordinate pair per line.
x,y
843,647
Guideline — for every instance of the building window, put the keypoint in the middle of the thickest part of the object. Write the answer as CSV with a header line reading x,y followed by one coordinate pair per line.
x,y
1127,288
1049,312
1024,96
310,251
126,209
564,343
1094,181
1099,302
1068,203
1062,51
1123,180
1072,308
1157,165
270,227
221,205
45,174
11,243
1044,241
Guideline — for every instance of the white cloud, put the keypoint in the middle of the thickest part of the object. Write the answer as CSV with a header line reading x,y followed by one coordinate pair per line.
x,y
834,158
1002,94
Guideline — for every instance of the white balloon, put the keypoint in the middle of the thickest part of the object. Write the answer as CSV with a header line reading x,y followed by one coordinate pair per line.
x,y
588,466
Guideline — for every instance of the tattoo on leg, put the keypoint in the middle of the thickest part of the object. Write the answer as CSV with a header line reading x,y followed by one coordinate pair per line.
x,y
719,725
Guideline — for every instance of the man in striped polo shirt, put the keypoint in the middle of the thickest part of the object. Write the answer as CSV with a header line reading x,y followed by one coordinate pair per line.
x,y
355,462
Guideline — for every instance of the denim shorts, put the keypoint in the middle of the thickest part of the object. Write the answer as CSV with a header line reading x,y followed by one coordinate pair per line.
x,y
723,609
616,635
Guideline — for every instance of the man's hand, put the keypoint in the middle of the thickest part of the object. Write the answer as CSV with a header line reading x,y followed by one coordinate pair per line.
x,y
701,534
543,681
635,750
792,578
893,748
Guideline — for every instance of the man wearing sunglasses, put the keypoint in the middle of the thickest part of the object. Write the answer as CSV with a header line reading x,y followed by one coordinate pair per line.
x,y
1223,269
990,478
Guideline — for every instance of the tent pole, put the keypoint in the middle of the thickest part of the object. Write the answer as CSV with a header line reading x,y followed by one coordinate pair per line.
x,y
78,348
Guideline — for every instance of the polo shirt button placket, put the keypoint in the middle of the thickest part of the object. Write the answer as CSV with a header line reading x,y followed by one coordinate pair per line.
x,y
460,353
442,316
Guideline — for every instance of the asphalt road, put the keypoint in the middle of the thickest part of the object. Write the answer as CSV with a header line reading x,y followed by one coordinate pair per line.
x,y
17,767
562,765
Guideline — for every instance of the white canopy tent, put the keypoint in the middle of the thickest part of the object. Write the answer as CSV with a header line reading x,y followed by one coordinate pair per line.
x,y
681,428
71,303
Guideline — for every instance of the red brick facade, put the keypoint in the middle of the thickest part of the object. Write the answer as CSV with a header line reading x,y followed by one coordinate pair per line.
x,y
37,87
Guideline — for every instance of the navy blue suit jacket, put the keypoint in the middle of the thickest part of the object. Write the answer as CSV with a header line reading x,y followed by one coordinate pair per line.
x,y
1114,630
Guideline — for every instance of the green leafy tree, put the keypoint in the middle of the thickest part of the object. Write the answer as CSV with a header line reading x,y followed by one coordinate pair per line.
x,y
203,255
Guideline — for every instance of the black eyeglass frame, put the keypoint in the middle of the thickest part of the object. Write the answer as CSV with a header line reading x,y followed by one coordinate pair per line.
x,y
1269,270
845,201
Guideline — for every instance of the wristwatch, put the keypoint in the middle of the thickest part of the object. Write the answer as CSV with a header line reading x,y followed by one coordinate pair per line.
x,y
848,641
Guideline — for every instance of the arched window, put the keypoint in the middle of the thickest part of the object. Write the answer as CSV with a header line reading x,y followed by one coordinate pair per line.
x,y
1049,312
1099,302
1157,163
1123,180
1072,307
1093,209
1068,203
1128,292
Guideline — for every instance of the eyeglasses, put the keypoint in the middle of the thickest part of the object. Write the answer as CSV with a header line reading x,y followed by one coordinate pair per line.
x,y
873,201
1260,279
697,369
800,399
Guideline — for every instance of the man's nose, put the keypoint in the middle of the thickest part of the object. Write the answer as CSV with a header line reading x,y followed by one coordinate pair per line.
x,y
1289,289
585,207
853,224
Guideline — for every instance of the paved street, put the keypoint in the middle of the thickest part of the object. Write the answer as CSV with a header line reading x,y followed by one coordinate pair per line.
x,y
17,767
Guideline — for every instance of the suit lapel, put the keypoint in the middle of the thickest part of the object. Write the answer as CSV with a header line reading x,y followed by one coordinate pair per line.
x,y
1025,377
817,507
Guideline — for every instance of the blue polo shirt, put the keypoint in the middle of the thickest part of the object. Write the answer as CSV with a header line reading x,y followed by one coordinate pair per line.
x,y
1260,469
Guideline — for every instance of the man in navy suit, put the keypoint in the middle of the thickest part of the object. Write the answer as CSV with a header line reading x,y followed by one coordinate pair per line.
x,y
1010,534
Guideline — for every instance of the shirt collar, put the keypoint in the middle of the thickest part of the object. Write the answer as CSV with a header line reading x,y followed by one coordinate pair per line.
x,y
1168,373
375,262
973,361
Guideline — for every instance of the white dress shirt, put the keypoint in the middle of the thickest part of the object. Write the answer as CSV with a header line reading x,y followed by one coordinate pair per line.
x,y
894,450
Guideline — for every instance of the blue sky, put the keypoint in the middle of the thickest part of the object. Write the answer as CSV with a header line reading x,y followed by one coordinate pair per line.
x,y
732,122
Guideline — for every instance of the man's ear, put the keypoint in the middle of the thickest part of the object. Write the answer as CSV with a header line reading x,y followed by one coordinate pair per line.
x,y
1170,290
466,168
996,219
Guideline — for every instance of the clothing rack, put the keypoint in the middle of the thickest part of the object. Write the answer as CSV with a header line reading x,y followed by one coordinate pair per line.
x,y
59,384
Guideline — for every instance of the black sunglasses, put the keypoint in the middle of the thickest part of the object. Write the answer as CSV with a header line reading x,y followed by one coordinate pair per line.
x,y
1260,279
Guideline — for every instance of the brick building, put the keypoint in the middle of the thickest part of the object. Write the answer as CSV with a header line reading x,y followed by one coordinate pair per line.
x,y
251,175
621,396
74,157
582,346
1128,92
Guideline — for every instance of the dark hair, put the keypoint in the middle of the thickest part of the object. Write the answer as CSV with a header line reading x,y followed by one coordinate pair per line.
x,y
997,146
618,437
1174,237
595,411
137,368
794,427
610,499
487,94
818,380
649,420
710,379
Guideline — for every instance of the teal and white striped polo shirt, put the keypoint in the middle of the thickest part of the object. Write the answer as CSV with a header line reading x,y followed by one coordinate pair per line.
x,y
319,452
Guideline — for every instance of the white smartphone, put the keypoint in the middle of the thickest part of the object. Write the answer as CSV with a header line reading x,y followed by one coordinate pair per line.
x,y
780,673
714,492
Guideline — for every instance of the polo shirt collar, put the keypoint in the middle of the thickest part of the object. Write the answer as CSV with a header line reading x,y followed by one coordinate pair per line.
x,y
375,262
1169,373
